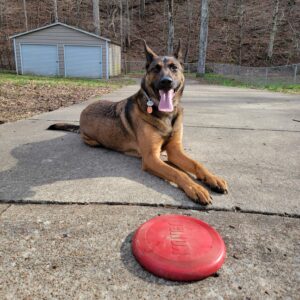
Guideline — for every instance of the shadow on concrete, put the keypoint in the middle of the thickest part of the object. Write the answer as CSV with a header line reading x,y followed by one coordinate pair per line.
x,y
137,270
68,158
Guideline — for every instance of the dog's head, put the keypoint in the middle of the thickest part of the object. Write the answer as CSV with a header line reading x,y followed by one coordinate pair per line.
x,y
164,79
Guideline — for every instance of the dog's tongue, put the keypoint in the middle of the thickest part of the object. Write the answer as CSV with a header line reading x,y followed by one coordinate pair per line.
x,y
166,100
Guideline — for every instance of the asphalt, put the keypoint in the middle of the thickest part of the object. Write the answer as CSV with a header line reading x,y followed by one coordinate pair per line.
x,y
68,211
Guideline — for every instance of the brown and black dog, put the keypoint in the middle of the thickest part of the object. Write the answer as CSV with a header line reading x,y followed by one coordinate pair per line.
x,y
148,123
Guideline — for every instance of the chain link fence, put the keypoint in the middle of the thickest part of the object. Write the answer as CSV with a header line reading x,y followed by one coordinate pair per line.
x,y
258,75
287,74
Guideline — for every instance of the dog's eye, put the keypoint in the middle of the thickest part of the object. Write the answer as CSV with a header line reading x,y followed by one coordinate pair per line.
x,y
173,68
157,68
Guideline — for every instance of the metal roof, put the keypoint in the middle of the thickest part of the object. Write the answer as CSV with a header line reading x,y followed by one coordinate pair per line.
x,y
61,24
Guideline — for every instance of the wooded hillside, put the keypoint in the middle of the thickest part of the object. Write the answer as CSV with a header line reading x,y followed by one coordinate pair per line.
x,y
239,31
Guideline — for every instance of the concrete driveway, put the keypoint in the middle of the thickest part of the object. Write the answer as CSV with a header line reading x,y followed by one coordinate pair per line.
x,y
54,247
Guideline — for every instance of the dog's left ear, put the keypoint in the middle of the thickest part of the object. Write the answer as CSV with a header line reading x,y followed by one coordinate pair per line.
x,y
150,54
178,52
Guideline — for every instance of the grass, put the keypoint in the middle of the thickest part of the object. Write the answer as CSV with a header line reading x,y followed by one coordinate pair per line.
x,y
217,79
21,80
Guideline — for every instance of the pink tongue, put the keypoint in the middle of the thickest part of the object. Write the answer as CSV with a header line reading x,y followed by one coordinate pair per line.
x,y
166,100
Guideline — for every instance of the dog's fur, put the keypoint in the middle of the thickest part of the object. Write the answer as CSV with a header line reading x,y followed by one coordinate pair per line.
x,y
126,126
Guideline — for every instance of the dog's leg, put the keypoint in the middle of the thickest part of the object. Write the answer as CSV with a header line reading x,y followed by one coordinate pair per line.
x,y
89,141
178,157
150,149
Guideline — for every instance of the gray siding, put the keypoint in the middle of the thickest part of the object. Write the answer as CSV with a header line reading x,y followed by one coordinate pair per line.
x,y
60,36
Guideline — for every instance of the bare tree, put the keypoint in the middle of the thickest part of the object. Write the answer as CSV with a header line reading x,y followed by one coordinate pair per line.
x,y
55,11
273,30
25,14
96,16
170,42
241,28
203,38
121,23
142,8
189,17
127,26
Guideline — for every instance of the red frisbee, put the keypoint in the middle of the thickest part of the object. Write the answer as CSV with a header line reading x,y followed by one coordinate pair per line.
x,y
178,248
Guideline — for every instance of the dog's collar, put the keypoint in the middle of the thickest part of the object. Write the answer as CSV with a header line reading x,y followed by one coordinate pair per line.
x,y
150,103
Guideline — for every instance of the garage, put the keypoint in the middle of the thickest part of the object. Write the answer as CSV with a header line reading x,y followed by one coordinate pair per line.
x,y
39,59
62,50
83,61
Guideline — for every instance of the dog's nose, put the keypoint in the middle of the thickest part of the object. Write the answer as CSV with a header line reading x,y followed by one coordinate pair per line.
x,y
166,81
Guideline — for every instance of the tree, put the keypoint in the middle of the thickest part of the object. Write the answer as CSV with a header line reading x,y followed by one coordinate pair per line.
x,y
127,26
121,23
96,16
142,8
170,42
55,11
189,18
203,38
25,15
241,28
273,30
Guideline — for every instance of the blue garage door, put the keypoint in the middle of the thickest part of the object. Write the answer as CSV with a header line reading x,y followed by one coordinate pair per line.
x,y
39,59
83,61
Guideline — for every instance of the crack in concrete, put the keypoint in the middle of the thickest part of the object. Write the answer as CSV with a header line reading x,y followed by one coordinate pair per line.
x,y
5,209
235,209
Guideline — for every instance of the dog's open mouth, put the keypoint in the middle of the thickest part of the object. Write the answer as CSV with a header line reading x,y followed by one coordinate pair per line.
x,y
166,100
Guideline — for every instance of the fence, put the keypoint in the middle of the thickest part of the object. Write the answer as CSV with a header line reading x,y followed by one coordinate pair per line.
x,y
256,75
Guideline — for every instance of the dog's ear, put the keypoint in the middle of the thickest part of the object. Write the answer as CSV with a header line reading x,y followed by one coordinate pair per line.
x,y
178,52
150,54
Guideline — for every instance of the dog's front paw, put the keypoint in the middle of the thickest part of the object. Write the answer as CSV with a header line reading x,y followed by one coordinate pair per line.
x,y
198,194
216,184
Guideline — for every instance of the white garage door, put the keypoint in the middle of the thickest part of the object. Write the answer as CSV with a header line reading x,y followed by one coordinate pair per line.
x,y
83,61
39,59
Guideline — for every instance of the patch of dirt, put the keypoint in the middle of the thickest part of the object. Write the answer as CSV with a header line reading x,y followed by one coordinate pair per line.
x,y
23,101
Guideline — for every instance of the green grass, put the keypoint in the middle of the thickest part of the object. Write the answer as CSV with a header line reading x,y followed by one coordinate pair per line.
x,y
115,82
217,79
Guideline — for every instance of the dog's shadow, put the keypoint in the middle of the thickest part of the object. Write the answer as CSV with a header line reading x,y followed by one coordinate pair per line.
x,y
67,158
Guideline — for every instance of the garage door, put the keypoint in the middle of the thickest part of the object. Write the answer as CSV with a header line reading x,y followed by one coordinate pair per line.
x,y
39,59
83,61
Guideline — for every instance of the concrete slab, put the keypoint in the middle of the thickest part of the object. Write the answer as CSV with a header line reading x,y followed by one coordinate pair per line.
x,y
84,252
38,165
217,106
261,165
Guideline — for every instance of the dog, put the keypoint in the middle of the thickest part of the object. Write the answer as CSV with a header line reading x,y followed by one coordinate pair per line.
x,y
148,123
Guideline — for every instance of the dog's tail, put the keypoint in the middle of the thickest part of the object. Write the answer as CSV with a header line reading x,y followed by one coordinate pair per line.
x,y
64,127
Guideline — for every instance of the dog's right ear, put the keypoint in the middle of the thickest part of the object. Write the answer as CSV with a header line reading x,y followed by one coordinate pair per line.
x,y
150,54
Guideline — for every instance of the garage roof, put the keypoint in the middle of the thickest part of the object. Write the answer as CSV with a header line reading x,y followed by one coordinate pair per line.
x,y
61,24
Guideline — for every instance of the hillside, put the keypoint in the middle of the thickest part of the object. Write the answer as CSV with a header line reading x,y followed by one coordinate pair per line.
x,y
237,33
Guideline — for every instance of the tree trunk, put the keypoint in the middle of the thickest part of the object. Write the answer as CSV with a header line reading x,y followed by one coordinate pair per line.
x,y
241,28
121,24
55,11
203,38
142,8
189,17
170,43
127,26
96,17
273,30
25,15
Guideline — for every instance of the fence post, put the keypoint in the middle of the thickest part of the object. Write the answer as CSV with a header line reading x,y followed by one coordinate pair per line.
x,y
295,73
